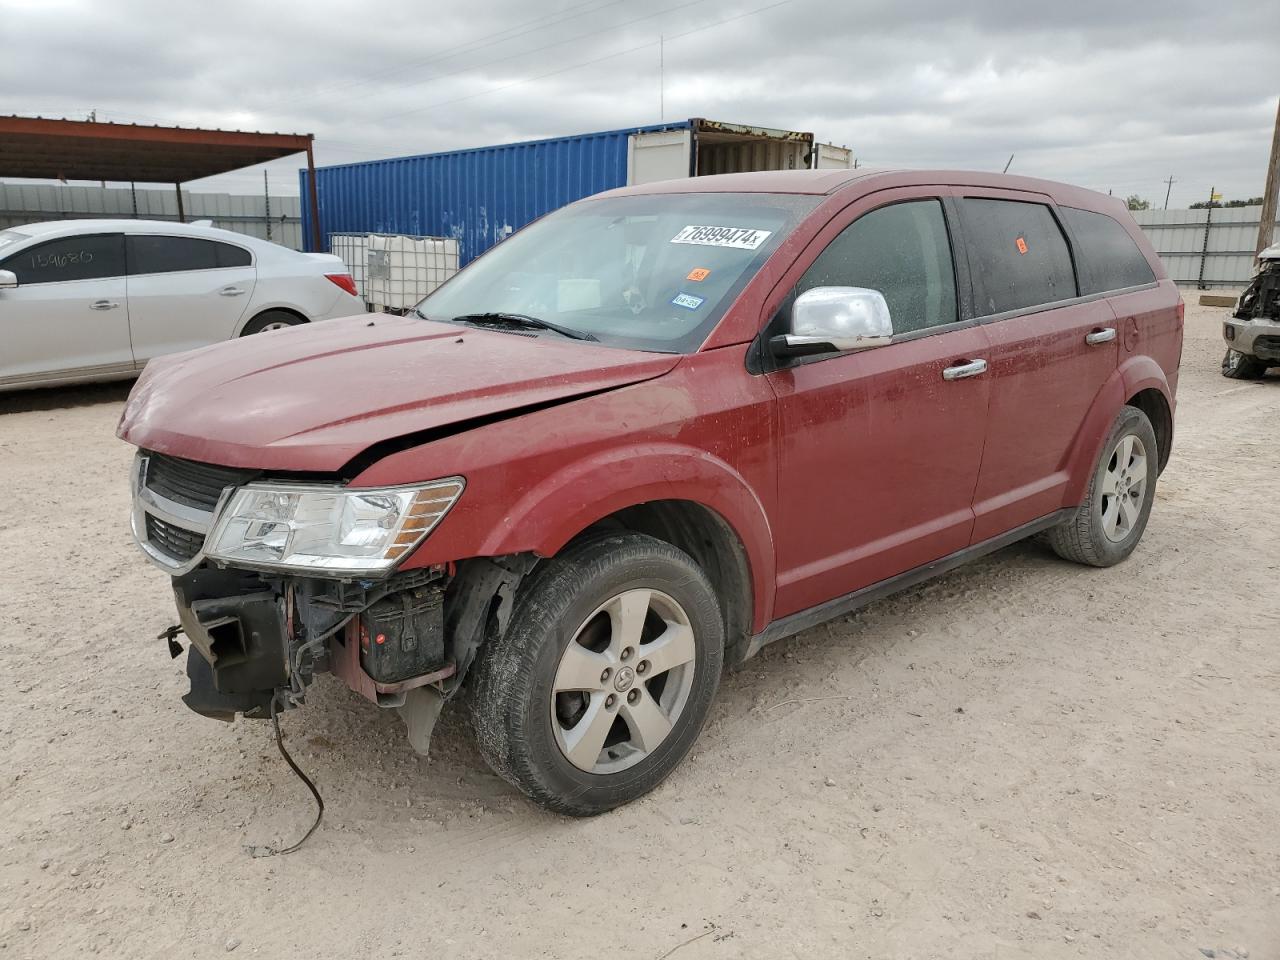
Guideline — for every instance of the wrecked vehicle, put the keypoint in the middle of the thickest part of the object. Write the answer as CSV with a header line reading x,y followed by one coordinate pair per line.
x,y
643,438
1253,332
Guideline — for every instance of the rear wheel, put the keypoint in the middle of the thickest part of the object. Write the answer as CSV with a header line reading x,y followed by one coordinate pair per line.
x,y
1241,366
1108,525
271,320
604,676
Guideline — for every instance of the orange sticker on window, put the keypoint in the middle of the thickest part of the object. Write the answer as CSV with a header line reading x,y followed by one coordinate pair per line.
x,y
698,273
1022,245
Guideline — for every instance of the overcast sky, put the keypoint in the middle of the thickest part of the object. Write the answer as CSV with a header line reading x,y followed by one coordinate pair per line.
x,y
1114,95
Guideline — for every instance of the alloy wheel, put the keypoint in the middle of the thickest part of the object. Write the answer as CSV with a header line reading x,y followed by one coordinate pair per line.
x,y
1124,483
623,681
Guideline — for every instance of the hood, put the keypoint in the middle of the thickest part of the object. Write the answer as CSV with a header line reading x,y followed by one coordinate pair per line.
x,y
312,397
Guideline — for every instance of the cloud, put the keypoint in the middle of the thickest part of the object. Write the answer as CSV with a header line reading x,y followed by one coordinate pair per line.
x,y
1109,95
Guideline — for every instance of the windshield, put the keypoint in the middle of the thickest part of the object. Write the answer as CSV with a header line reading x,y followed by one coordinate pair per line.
x,y
648,272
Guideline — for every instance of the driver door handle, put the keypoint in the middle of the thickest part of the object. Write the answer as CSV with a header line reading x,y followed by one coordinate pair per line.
x,y
103,305
230,291
1101,335
961,371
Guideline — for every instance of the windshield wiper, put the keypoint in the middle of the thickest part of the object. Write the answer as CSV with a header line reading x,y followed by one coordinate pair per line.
x,y
522,320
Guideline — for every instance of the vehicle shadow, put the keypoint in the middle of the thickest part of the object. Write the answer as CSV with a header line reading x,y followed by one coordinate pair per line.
x,y
362,754
61,398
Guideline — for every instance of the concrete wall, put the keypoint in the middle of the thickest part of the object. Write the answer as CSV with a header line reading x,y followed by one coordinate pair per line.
x,y
1178,236
31,203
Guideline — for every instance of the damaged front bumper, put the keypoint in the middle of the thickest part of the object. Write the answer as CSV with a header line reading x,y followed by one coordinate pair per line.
x,y
259,637
255,637
1258,337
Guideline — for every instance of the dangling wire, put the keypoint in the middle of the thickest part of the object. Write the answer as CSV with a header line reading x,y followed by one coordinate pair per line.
x,y
272,851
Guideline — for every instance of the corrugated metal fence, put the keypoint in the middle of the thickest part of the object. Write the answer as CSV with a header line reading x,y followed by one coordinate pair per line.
x,y
434,195
1178,236
31,203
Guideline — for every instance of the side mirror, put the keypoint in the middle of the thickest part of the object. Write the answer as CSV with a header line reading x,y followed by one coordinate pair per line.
x,y
8,279
834,320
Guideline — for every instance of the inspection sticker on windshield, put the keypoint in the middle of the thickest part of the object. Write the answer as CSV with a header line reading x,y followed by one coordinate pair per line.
x,y
688,301
737,238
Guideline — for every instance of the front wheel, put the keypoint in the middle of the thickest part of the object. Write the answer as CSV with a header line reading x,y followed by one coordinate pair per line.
x,y
1108,525
1241,366
604,676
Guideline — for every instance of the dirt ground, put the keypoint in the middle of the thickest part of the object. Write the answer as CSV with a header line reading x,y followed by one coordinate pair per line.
x,y
1023,758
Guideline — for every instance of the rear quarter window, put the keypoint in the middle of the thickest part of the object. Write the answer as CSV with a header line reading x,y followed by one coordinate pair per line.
x,y
1108,257
229,255
1017,253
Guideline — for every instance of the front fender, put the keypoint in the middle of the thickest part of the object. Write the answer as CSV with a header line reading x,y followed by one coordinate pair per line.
x,y
574,497
1132,376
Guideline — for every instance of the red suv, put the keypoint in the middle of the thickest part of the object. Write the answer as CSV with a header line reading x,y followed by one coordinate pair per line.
x,y
643,438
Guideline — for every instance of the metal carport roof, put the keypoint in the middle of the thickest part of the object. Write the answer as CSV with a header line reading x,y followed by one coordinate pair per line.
x,y
40,148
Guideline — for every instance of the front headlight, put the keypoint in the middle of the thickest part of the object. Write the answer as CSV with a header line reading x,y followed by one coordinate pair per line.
x,y
326,529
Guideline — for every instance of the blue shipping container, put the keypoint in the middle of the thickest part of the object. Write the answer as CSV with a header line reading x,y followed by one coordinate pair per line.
x,y
477,196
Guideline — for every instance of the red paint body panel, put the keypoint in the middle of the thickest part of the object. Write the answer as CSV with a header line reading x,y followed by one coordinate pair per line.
x,y
309,398
878,460
1044,379
834,474
704,433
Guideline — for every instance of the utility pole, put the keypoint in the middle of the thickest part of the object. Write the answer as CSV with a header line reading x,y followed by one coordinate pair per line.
x,y
1168,190
1267,227
266,195
662,79
1008,165
1204,249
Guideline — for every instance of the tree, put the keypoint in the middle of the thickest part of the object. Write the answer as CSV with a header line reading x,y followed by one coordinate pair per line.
x,y
1202,204
1137,203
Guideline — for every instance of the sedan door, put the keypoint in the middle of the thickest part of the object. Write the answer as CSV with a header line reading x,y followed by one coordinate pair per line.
x,y
185,292
880,449
67,318
1051,353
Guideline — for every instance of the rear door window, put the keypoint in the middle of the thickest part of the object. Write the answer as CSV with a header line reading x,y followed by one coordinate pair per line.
x,y
1109,259
903,251
1017,253
90,257
148,254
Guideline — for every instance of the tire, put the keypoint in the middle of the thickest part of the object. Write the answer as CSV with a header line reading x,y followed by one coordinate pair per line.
x,y
1241,366
1104,530
271,320
532,693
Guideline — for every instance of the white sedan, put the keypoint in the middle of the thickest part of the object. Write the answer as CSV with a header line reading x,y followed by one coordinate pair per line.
x,y
88,300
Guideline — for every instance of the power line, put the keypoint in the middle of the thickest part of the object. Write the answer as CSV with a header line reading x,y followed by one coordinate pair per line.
x,y
584,63
549,46
479,43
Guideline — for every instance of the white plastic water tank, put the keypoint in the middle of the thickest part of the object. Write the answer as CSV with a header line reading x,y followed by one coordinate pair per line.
x,y
403,270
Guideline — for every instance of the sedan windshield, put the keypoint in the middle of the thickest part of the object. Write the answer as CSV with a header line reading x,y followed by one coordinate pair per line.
x,y
648,272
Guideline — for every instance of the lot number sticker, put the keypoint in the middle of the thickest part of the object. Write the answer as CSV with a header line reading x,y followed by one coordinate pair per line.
x,y
736,238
